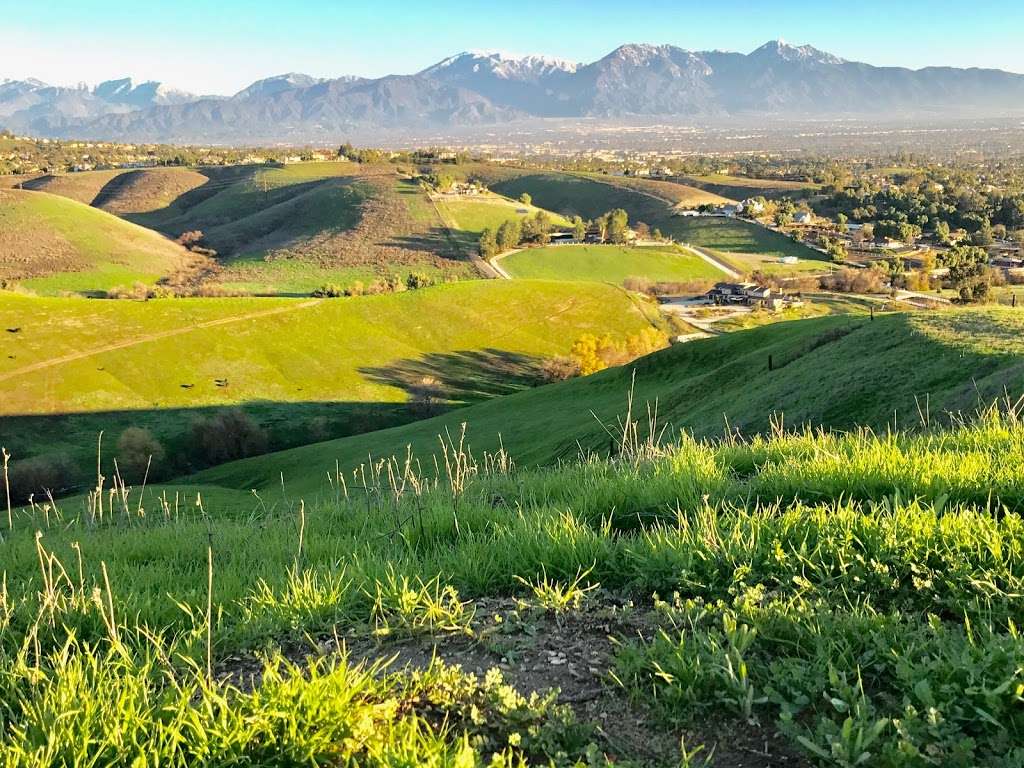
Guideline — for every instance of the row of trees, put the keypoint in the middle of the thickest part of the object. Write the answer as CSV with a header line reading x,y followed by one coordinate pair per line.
x,y
612,227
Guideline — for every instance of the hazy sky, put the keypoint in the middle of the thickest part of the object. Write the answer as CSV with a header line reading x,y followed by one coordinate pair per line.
x,y
219,47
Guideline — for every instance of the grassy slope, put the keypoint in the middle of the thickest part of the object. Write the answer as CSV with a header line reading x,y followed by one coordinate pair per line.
x,y
838,371
344,360
147,189
607,263
742,187
50,243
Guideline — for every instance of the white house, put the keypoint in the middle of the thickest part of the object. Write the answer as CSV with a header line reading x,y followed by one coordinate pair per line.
x,y
803,217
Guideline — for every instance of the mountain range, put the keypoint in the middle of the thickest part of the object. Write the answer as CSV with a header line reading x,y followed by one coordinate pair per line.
x,y
486,89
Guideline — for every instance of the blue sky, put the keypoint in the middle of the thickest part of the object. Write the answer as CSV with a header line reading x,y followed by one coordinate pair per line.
x,y
219,47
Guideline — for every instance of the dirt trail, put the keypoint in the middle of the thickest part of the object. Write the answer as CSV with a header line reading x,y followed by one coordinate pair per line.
x,y
63,360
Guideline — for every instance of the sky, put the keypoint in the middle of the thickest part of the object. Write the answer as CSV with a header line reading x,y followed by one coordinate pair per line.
x,y
220,47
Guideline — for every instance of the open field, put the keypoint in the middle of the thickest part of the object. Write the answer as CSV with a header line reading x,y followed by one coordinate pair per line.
x,y
52,244
304,369
696,596
608,263
742,187
749,246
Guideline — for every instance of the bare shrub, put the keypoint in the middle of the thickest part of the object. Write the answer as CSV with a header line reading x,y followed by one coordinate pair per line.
x,y
227,436
138,452
559,368
855,281
36,476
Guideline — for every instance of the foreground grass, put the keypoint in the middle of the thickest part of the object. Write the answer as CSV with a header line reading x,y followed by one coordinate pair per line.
x,y
857,593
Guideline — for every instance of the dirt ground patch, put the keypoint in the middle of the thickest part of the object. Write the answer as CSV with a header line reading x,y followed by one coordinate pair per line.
x,y
537,651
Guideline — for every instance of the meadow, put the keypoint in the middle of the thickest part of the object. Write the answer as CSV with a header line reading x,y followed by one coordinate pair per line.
x,y
305,369
608,263
748,246
468,217
799,598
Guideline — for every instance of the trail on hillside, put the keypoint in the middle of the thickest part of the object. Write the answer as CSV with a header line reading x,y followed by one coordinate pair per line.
x,y
64,359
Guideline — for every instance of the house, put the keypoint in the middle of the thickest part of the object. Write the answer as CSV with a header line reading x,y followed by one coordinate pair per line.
x,y
730,210
748,295
803,218
730,293
752,206
563,238
593,235
688,212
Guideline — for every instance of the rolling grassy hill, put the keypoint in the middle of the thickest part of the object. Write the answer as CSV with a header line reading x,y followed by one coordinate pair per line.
x,y
52,244
303,369
837,371
291,229
608,263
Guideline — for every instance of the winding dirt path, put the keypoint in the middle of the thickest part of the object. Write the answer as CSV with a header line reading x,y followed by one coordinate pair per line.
x,y
64,359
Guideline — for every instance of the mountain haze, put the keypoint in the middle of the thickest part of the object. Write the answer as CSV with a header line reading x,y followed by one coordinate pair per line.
x,y
488,88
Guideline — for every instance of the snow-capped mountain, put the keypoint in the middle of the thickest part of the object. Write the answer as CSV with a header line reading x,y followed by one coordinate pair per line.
x,y
478,88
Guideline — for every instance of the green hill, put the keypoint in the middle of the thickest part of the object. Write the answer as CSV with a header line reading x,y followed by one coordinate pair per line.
x,y
837,371
304,370
52,244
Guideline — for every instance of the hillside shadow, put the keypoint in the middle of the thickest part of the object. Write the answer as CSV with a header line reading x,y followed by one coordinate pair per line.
x,y
462,377
69,440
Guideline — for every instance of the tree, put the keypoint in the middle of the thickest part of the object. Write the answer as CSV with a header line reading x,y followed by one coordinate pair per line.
x,y
488,245
616,224
841,221
942,232
579,229
509,235
138,453
968,272
983,236
525,199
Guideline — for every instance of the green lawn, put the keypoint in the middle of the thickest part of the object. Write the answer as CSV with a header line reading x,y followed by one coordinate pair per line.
x,y
306,371
608,263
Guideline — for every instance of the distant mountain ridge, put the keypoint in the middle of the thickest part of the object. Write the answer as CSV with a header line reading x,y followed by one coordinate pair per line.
x,y
477,88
